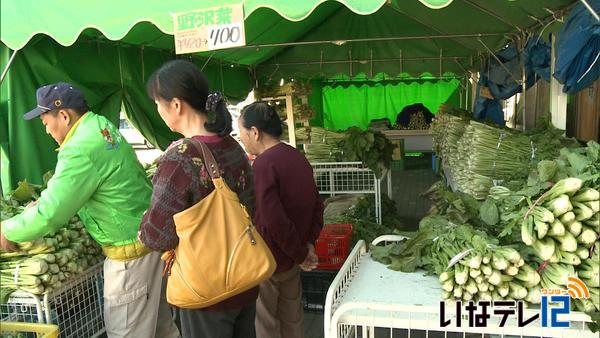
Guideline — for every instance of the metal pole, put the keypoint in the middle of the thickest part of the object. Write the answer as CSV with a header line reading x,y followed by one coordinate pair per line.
x,y
399,79
594,14
374,60
400,60
371,70
10,61
397,38
467,92
207,61
321,64
350,60
524,83
441,56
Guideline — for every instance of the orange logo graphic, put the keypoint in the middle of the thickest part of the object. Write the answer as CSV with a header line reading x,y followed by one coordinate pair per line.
x,y
577,289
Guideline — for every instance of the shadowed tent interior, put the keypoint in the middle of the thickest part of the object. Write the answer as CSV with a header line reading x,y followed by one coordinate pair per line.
x,y
109,48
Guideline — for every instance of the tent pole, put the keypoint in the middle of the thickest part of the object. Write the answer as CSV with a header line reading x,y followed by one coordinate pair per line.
x,y
207,61
441,70
321,64
10,61
400,61
466,92
371,70
397,38
524,91
589,8
397,79
558,98
350,60
306,63
524,84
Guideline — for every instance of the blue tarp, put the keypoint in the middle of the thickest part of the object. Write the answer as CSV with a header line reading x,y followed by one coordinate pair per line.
x,y
502,84
536,57
578,49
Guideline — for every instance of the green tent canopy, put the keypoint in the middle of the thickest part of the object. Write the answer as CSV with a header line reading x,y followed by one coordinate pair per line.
x,y
109,47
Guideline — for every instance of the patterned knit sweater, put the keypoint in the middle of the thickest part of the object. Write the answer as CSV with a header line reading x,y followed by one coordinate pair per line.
x,y
182,180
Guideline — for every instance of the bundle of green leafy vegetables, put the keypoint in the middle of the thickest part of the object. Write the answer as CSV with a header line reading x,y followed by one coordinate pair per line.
x,y
479,156
363,220
370,147
45,264
551,220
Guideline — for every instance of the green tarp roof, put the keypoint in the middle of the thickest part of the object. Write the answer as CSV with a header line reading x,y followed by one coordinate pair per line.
x,y
331,37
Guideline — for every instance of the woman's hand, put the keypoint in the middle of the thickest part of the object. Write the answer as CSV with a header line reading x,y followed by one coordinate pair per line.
x,y
311,260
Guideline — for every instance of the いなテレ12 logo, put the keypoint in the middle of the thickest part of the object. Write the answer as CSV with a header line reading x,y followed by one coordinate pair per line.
x,y
558,301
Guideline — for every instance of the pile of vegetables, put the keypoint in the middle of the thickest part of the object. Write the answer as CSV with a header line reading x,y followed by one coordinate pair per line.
x,y
479,156
150,169
370,147
519,239
364,223
417,122
471,265
47,263
447,128
323,146
564,231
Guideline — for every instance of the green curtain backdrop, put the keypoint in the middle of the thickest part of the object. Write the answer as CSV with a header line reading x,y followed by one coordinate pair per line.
x,y
344,107
108,74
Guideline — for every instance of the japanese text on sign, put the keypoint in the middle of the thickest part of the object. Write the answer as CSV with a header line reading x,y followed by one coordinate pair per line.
x,y
209,29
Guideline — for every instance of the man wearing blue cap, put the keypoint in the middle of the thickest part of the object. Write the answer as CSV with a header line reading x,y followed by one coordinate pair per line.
x,y
99,177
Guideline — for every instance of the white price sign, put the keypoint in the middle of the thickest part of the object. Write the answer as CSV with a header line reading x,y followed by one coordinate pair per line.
x,y
226,36
209,29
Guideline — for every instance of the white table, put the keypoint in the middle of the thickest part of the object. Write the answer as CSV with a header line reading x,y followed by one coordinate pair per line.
x,y
366,294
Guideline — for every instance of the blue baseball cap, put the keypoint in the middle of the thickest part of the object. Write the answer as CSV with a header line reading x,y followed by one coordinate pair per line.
x,y
57,96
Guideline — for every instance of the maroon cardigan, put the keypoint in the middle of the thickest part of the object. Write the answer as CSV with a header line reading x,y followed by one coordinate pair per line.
x,y
289,211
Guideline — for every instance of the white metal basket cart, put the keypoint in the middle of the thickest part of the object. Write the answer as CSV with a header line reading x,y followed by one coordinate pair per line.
x,y
77,306
337,178
368,300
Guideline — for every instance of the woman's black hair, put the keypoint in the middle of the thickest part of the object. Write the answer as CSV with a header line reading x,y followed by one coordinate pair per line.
x,y
263,117
183,80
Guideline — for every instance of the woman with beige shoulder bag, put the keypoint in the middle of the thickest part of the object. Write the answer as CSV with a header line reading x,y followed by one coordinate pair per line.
x,y
201,208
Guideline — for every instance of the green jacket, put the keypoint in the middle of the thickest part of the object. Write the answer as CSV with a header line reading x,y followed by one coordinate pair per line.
x,y
97,176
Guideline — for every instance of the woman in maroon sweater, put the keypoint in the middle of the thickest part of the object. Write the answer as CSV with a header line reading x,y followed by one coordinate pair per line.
x,y
181,180
289,216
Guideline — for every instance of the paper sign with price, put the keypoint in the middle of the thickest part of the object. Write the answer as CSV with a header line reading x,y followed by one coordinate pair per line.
x,y
209,29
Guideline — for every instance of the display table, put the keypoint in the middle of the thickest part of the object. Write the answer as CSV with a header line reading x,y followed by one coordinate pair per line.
x,y
366,295
414,140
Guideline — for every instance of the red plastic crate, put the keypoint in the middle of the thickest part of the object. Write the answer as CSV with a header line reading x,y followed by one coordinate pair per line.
x,y
333,245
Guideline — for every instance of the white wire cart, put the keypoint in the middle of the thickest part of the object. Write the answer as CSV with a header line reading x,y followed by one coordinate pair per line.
x,y
368,300
336,178
77,306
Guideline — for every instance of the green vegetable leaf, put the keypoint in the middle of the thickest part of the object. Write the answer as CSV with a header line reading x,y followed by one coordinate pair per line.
x,y
489,212
578,162
547,170
24,192
382,254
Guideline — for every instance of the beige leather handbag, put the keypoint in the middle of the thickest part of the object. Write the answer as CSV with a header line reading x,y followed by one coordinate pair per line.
x,y
220,254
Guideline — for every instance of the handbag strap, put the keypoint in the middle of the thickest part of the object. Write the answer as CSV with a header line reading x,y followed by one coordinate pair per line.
x,y
209,160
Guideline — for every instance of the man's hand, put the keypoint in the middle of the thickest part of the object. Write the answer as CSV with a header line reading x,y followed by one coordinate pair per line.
x,y
5,244
311,260
31,204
